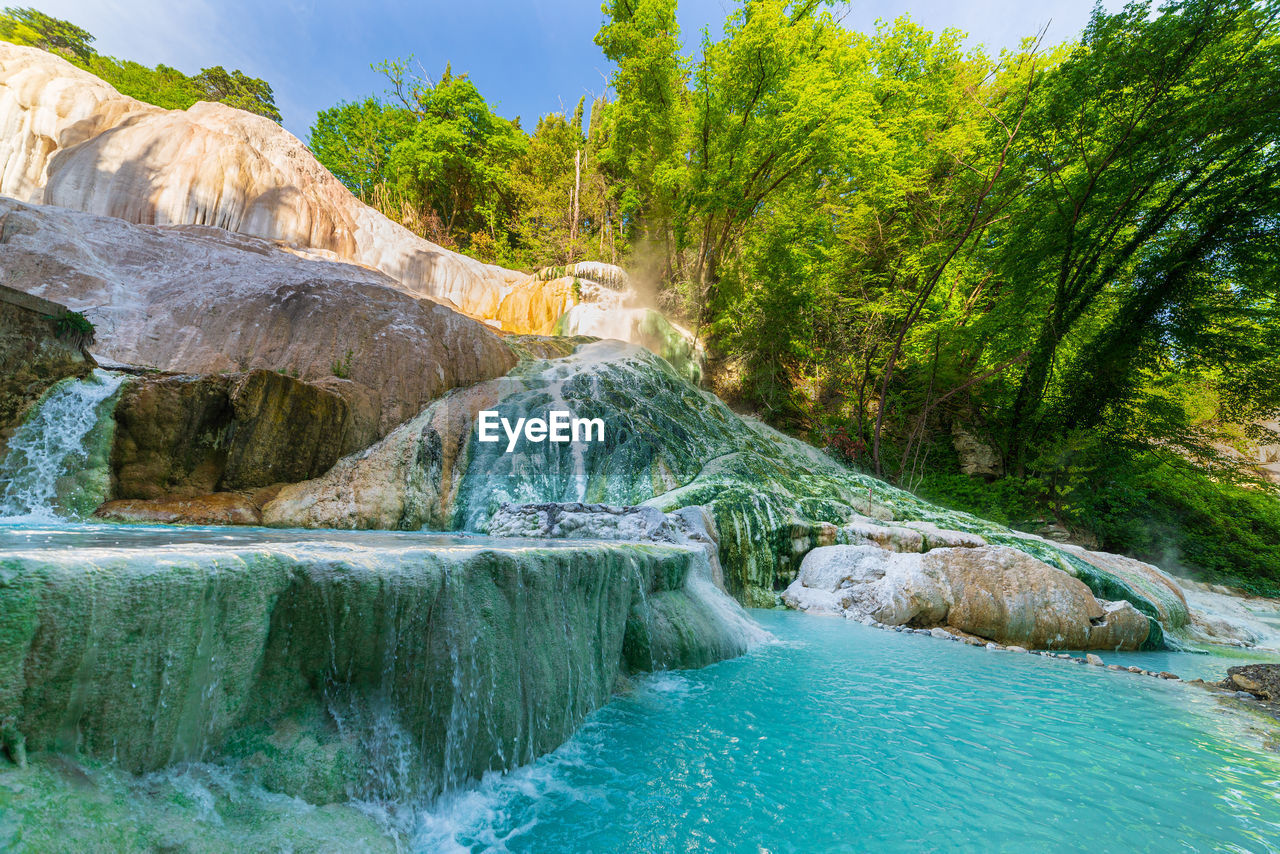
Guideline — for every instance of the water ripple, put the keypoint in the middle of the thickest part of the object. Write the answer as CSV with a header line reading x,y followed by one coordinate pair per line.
x,y
841,737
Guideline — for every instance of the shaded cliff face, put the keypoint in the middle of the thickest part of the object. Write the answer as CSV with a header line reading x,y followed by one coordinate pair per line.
x,y
33,356
669,445
187,436
202,300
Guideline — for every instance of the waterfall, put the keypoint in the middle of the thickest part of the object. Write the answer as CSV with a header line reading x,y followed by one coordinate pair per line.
x,y
56,465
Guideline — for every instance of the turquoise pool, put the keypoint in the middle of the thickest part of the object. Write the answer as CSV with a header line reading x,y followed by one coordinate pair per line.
x,y
842,737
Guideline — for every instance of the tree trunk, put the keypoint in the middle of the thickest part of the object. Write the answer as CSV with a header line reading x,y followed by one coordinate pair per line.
x,y
577,189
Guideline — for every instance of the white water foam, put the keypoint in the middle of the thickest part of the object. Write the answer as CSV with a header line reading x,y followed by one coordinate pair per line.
x,y
49,445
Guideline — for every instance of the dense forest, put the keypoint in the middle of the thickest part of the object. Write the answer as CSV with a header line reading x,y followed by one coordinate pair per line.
x,y
1042,286
163,86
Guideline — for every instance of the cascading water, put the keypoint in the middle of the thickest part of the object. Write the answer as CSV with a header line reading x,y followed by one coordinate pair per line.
x,y
56,466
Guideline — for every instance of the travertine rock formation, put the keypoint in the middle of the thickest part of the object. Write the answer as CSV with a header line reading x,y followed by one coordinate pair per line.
x,y
187,436
992,592
69,139
201,300
219,508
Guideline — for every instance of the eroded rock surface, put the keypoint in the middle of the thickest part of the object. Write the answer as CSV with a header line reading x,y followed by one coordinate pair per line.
x,y
74,141
991,592
186,436
203,300
669,446
219,508
438,661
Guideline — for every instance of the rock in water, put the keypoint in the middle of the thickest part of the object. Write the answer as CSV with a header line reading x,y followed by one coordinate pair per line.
x,y
992,591
220,508
1260,680
202,300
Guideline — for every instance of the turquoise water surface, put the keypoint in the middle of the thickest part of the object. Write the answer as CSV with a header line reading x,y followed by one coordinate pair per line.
x,y
843,737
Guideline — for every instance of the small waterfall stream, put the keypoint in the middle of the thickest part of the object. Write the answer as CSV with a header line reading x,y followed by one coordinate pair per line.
x,y
56,465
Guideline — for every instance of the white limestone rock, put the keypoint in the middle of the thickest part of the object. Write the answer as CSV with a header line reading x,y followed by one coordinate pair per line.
x,y
989,591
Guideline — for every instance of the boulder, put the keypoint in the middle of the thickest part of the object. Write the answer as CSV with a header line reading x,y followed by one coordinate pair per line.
x,y
220,508
1260,680
203,300
992,592
977,457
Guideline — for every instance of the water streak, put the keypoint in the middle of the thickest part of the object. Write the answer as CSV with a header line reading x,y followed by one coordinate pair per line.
x,y
48,472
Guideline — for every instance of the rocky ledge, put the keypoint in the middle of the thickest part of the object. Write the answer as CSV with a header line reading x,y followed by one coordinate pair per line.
x,y
1261,681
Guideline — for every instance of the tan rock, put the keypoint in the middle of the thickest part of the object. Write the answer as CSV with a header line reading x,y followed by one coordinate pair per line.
x,y
74,141
184,436
992,592
220,508
1151,582
1244,683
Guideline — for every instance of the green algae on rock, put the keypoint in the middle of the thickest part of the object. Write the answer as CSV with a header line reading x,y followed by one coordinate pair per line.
x,y
441,656
668,445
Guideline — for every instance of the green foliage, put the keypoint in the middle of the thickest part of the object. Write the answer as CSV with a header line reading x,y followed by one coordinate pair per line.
x,y
355,140
163,86
435,157
1153,506
74,327
24,25
1069,252
341,368
457,160
643,156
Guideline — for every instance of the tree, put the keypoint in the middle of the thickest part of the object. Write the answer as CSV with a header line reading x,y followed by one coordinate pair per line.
x,y
239,90
354,141
458,159
647,119
1152,153
24,25
163,86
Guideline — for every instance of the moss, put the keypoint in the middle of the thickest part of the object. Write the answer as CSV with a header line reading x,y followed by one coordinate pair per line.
x,y
670,445
77,804
74,328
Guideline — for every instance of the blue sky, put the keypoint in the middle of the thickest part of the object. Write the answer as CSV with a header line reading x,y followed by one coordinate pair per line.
x,y
528,57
